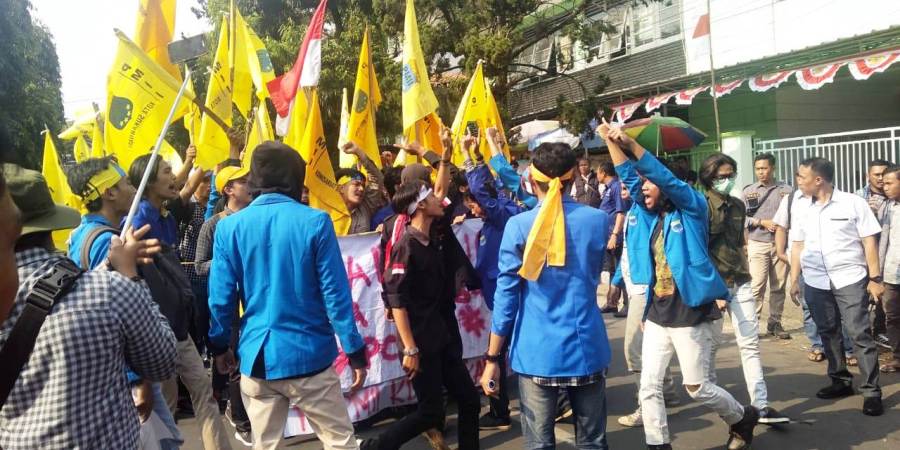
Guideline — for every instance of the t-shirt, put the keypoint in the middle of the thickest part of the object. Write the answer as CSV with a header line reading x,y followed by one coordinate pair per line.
x,y
666,308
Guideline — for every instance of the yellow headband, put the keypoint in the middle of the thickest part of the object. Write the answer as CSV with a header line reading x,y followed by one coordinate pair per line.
x,y
100,182
348,178
546,241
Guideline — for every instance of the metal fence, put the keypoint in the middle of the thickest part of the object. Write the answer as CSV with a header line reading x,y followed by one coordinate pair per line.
x,y
850,152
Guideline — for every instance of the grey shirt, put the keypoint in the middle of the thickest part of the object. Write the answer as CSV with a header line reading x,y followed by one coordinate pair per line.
x,y
756,199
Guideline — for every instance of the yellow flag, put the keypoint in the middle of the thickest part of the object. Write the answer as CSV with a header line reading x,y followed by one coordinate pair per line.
x,y
58,184
251,60
418,98
260,131
139,96
154,30
344,160
479,108
427,132
298,116
242,86
193,118
212,144
366,98
323,190
81,151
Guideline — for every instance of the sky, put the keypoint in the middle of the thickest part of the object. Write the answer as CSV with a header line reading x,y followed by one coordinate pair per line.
x,y
86,44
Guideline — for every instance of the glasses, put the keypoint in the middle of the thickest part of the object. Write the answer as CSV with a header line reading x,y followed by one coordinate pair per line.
x,y
725,177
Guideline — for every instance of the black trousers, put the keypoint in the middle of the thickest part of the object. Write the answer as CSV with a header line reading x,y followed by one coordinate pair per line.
x,y
443,369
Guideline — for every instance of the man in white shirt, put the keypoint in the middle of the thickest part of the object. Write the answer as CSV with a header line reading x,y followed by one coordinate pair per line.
x,y
835,245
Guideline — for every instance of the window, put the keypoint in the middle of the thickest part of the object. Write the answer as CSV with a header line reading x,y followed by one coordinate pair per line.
x,y
536,55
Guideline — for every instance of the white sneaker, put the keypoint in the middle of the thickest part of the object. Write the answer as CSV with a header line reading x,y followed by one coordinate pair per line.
x,y
632,420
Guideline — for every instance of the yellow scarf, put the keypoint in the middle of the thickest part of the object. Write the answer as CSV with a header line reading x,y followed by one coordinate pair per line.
x,y
547,238
99,183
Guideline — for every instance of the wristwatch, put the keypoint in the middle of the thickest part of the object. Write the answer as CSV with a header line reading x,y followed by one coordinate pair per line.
x,y
492,358
877,279
411,351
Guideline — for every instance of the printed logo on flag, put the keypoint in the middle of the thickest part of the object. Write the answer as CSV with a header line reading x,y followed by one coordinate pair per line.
x,y
265,63
120,110
409,77
362,100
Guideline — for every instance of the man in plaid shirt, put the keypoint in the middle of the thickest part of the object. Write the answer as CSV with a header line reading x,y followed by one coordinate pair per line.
x,y
80,353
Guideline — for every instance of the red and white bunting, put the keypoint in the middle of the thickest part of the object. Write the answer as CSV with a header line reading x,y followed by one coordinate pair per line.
x,y
725,89
686,97
812,78
762,83
625,110
653,103
863,68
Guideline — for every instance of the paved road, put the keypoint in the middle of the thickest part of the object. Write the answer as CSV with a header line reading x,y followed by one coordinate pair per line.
x,y
792,382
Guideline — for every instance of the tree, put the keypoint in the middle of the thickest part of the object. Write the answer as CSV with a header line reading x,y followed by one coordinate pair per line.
x,y
29,84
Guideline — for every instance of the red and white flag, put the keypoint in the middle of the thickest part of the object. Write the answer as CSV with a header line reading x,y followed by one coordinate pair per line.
x,y
815,77
304,73
653,103
686,97
863,68
762,83
724,89
625,110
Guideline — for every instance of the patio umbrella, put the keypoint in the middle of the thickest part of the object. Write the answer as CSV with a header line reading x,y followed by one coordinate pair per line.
x,y
658,133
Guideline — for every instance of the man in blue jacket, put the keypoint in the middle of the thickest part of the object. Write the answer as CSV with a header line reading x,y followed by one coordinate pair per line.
x,y
546,305
685,296
286,260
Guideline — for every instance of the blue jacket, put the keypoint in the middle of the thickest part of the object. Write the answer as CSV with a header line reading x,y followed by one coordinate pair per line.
x,y
100,247
286,260
686,234
637,238
497,212
511,180
554,324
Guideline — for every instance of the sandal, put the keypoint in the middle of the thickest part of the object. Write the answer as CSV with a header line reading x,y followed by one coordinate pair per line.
x,y
816,356
852,361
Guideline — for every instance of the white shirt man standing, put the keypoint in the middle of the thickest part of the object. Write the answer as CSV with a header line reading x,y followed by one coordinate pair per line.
x,y
835,246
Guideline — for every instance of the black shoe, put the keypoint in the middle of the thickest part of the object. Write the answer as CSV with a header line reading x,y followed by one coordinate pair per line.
x,y
740,435
882,341
778,332
608,309
872,406
492,422
770,416
660,447
835,390
621,314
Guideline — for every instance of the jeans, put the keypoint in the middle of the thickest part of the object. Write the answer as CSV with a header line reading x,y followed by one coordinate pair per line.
x,y
634,338
812,333
746,332
848,306
538,405
891,302
693,347
165,415
439,370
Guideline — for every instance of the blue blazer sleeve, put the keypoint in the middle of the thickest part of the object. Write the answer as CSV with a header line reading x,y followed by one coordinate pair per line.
x,y
632,181
509,284
213,198
223,286
497,210
334,286
685,198
511,180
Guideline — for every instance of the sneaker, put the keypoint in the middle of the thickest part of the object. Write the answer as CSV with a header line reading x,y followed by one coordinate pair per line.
x,y
436,439
835,390
770,415
564,414
492,422
621,314
672,402
740,435
778,332
244,437
608,309
228,415
872,406
632,420
851,361
882,341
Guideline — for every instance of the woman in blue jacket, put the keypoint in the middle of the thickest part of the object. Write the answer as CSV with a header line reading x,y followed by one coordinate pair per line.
x,y
685,294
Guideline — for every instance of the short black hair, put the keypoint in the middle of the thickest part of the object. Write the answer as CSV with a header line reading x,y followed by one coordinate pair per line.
x,y
764,157
554,159
893,168
349,172
709,168
138,166
607,168
276,168
406,194
392,179
79,177
879,163
820,166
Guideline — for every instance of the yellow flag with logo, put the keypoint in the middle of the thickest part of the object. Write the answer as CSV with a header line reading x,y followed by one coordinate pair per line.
x,y
58,184
212,143
344,160
251,58
260,131
140,94
366,98
323,190
154,30
477,109
81,150
418,98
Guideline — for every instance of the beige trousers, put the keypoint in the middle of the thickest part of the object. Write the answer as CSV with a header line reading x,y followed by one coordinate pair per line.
x,y
319,397
189,367
767,271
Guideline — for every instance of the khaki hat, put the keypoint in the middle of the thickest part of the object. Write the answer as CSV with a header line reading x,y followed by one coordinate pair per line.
x,y
416,171
31,195
230,173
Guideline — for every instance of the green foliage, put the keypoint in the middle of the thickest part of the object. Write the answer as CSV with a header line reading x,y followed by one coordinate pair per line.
x,y
29,84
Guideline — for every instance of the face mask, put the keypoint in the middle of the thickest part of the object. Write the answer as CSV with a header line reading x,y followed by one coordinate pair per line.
x,y
723,186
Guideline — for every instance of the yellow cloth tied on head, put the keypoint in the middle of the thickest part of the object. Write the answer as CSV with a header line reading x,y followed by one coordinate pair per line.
x,y
99,183
547,239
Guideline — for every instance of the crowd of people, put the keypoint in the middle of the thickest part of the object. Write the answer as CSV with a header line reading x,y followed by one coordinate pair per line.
x,y
226,291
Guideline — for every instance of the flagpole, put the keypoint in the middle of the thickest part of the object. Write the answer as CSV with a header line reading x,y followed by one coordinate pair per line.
x,y
154,155
712,76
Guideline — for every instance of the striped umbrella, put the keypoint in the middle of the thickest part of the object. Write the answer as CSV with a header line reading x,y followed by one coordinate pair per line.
x,y
668,134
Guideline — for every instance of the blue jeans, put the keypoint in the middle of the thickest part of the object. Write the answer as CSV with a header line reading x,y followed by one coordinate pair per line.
x,y
538,405
812,332
162,410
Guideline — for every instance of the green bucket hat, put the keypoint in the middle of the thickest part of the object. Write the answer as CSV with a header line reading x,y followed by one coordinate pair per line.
x,y
31,195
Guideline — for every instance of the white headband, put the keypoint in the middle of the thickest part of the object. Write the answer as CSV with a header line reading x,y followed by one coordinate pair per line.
x,y
423,194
